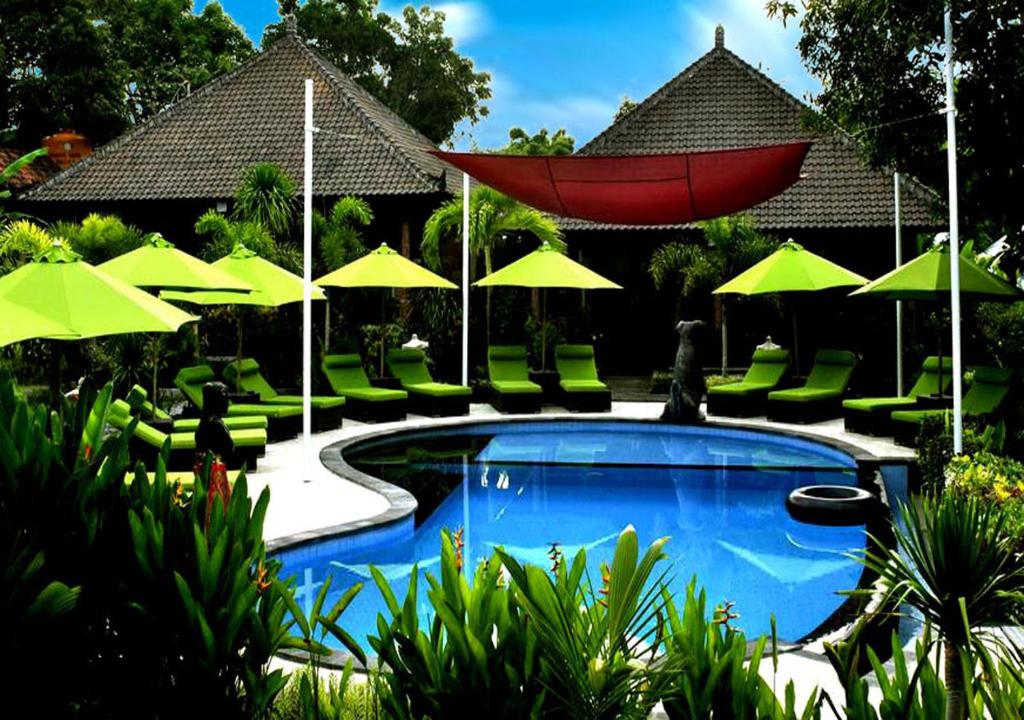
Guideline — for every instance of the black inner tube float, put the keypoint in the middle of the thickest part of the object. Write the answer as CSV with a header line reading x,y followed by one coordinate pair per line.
x,y
831,505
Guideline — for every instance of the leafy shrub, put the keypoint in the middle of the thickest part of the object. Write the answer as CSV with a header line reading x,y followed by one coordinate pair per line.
x,y
99,237
340,699
995,479
20,241
935,448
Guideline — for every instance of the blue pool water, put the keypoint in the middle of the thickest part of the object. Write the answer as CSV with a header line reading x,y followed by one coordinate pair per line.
x,y
719,493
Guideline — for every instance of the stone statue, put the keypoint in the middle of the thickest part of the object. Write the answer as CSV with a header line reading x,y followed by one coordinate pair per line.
x,y
688,386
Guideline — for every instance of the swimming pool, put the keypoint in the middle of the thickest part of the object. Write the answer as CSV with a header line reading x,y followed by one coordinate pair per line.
x,y
527,485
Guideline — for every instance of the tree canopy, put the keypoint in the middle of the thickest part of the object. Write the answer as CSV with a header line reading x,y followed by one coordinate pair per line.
x,y
881,62
100,66
409,64
521,142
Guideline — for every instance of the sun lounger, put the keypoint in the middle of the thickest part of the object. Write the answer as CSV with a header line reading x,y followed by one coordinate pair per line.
x,y
245,374
147,410
509,378
749,397
986,396
580,389
873,415
363,401
285,420
821,396
426,397
147,441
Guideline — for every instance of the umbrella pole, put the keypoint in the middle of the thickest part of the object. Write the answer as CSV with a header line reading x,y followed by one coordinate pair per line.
x,y
156,358
327,322
382,303
238,350
796,345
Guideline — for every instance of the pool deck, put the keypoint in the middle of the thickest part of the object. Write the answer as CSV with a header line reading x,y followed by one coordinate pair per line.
x,y
306,496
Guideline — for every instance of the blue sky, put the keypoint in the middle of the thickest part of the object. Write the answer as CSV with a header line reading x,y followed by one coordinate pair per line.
x,y
570,63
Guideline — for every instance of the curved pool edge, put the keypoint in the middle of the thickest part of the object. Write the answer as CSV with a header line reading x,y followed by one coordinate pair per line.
x,y
402,504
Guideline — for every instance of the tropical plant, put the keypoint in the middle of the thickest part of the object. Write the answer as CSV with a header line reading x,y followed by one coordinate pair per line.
x,y
475,659
99,237
956,565
20,241
266,195
224,235
596,646
686,270
7,174
994,479
341,241
494,219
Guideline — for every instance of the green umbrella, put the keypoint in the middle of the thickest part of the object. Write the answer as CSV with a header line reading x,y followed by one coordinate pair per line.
x,y
272,286
384,268
546,268
160,265
791,269
926,277
84,300
23,324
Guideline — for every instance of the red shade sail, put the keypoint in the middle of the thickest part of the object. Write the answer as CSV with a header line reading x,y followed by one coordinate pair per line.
x,y
640,189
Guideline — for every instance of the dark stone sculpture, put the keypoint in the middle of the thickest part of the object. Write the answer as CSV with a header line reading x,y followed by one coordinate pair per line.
x,y
688,386
212,434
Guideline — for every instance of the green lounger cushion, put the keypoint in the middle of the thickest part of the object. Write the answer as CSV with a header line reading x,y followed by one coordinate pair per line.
x,y
577,370
240,422
274,412
878,403
120,417
508,372
347,377
767,368
246,373
987,392
828,379
410,367
190,381
927,383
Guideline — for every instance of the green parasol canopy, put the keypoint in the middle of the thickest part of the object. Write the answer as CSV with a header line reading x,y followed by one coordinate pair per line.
x,y
272,286
23,324
545,268
926,277
384,268
791,268
158,264
87,302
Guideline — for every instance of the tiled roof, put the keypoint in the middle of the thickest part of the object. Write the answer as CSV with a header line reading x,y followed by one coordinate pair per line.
x,y
198,147
720,101
33,173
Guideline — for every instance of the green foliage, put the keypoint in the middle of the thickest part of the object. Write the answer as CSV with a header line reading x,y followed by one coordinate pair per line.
x,y
339,699
131,60
521,142
991,479
625,108
9,172
715,676
20,241
341,241
99,237
266,195
377,338
477,657
596,645
539,340
935,447
408,63
884,82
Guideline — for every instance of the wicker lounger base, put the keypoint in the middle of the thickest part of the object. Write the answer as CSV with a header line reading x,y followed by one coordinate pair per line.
x,y
283,428
438,405
804,412
586,401
374,412
874,422
735,405
905,433
516,403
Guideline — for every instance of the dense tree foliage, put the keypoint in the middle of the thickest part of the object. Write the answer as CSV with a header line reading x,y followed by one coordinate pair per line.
x,y
410,64
101,66
880,63
521,142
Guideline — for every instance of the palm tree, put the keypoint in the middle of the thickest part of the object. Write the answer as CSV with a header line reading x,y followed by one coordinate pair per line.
x,y
733,244
956,565
493,219
341,240
266,195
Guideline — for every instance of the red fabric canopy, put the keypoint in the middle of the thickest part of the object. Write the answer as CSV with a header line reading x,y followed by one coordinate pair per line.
x,y
640,189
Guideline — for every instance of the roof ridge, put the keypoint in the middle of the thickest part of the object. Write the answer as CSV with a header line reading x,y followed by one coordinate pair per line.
x,y
146,125
391,144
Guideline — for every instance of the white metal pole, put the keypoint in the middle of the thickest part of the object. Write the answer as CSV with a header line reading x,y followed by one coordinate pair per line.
x,y
954,239
307,288
465,279
899,303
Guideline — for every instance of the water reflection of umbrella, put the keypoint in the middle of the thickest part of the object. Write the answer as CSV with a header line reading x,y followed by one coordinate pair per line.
x,y
383,268
791,269
547,268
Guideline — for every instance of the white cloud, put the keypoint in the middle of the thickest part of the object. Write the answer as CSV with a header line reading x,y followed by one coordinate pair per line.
x,y
750,33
